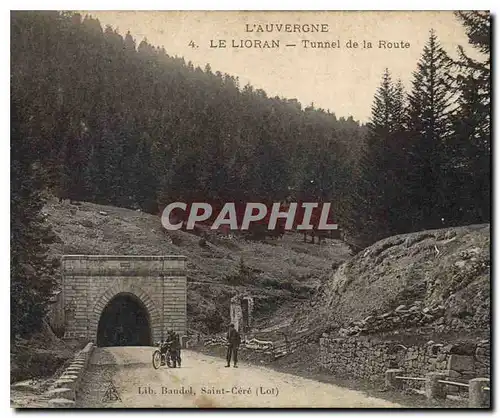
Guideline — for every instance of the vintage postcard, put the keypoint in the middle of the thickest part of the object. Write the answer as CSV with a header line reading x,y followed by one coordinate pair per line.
x,y
250,209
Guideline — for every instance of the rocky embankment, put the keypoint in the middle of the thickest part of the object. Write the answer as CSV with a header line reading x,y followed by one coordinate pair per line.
x,y
402,317
425,282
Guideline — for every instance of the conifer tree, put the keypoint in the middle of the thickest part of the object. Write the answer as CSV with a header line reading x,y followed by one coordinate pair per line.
x,y
429,109
374,211
32,273
470,146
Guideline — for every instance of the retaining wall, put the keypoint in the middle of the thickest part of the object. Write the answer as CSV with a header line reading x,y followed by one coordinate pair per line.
x,y
369,358
64,391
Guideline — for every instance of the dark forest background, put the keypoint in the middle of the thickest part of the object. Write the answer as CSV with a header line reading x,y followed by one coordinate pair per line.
x,y
96,117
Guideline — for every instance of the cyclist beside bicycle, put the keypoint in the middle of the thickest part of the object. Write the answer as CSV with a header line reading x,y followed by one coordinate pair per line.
x,y
172,343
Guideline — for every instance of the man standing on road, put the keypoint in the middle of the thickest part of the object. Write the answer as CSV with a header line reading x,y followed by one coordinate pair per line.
x,y
175,348
164,347
234,340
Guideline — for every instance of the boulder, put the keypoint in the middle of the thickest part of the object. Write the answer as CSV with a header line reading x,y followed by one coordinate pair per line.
x,y
26,385
440,321
87,223
453,374
61,393
460,363
447,348
482,352
66,383
61,403
464,348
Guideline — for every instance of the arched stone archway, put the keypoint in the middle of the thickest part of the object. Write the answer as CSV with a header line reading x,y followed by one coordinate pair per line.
x,y
124,321
123,290
157,285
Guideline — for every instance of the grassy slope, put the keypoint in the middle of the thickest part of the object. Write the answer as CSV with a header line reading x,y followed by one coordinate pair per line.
x,y
40,356
283,272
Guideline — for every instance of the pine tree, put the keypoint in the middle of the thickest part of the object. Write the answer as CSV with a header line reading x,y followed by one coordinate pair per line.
x,y
398,107
381,118
142,183
470,145
32,273
375,212
477,72
398,149
430,108
478,29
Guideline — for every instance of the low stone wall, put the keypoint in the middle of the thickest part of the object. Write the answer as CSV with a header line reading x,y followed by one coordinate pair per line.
x,y
369,358
63,392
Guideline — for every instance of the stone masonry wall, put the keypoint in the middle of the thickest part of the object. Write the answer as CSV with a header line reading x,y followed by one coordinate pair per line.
x,y
90,282
369,358
236,312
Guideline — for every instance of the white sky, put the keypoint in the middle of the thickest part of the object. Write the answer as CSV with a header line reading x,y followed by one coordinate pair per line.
x,y
341,80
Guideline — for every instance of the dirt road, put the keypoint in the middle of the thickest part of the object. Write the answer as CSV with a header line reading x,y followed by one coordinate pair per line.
x,y
204,382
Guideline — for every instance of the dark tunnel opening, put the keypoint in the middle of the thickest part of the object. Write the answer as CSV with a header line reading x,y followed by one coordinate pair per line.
x,y
124,322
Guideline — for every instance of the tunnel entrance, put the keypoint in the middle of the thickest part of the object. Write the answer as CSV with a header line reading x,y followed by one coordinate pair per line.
x,y
124,322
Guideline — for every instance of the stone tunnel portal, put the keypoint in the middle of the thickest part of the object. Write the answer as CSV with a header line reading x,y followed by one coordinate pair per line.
x,y
122,299
124,321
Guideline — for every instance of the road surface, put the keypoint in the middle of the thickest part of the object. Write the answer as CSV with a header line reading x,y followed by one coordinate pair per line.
x,y
203,382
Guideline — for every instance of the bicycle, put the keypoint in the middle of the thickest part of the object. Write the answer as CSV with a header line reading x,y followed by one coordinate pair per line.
x,y
160,359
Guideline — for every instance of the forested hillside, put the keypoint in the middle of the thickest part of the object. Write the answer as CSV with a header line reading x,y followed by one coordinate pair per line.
x,y
129,125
